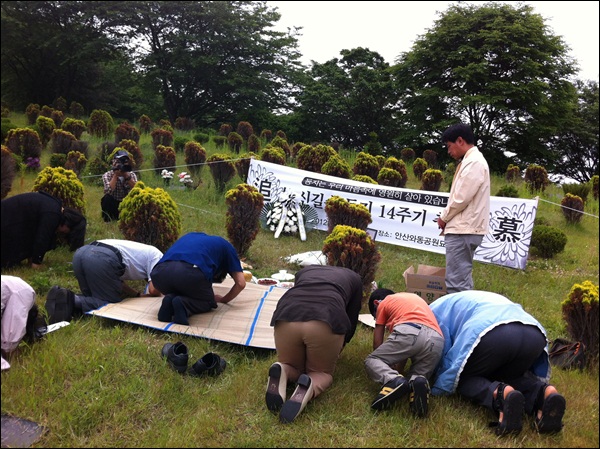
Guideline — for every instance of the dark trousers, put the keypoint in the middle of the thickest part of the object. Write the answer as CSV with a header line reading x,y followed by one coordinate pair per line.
x,y
504,355
182,279
110,207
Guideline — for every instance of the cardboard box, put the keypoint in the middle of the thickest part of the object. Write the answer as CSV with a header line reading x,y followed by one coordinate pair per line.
x,y
428,282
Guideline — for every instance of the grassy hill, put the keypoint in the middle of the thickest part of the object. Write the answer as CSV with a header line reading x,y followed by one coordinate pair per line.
x,y
99,383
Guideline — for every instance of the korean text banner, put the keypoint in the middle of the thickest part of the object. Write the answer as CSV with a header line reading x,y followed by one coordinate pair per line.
x,y
403,217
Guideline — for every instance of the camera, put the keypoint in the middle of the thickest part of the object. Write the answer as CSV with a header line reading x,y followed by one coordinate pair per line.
x,y
123,164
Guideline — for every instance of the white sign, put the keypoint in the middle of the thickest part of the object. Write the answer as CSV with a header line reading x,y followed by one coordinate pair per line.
x,y
403,217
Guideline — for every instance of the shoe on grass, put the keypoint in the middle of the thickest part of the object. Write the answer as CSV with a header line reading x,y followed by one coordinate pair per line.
x,y
276,387
419,397
177,356
298,400
390,393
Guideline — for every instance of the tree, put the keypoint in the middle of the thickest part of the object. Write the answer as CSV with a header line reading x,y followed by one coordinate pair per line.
x,y
53,49
210,61
496,67
346,99
577,147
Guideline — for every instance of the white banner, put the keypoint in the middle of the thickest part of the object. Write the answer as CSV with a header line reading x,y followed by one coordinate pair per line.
x,y
403,217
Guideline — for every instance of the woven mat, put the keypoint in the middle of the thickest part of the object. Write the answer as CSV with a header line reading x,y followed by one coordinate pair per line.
x,y
245,320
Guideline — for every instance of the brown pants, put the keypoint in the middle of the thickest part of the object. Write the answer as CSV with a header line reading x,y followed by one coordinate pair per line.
x,y
308,348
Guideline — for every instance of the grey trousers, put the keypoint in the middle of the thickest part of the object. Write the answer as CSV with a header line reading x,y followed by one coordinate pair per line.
x,y
98,272
423,346
460,249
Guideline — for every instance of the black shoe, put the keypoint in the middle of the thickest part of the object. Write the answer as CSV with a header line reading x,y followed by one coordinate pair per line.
x,y
390,393
177,356
553,411
209,364
298,400
512,407
276,387
419,396
59,304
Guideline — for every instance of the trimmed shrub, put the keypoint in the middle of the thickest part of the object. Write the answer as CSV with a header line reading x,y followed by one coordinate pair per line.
x,y
266,135
219,141
280,142
184,123
340,211
164,158
202,138
513,173
572,208
63,184
354,249
76,110
312,158
272,154
145,124
536,178
594,182
366,164
407,155
126,131
431,157
32,112
548,240
100,124
508,191
580,190
364,178
389,177
61,141
161,136
8,169
244,129
74,126
580,312
235,142
225,129
419,167
44,126
336,166
75,161
24,142
242,165
195,158
222,170
242,221
149,216
254,143
431,180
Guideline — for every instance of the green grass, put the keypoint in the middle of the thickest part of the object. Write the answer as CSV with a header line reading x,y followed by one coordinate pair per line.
x,y
102,383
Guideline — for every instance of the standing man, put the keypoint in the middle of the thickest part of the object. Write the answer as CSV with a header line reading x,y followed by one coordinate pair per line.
x,y
117,183
464,221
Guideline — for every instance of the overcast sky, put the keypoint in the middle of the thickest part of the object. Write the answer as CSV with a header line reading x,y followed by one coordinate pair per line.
x,y
391,27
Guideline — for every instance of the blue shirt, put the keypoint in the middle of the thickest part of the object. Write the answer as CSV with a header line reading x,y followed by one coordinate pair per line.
x,y
465,317
212,254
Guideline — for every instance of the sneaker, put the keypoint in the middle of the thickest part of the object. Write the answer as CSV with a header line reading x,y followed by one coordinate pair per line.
x,y
390,393
177,356
59,304
276,387
209,364
298,400
419,395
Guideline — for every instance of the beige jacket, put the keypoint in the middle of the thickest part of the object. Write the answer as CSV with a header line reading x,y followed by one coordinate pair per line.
x,y
468,209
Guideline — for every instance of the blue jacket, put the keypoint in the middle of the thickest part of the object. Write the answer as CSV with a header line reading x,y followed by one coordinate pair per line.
x,y
465,317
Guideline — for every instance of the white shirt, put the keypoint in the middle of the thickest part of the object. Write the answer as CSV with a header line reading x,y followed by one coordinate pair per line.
x,y
18,297
138,258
